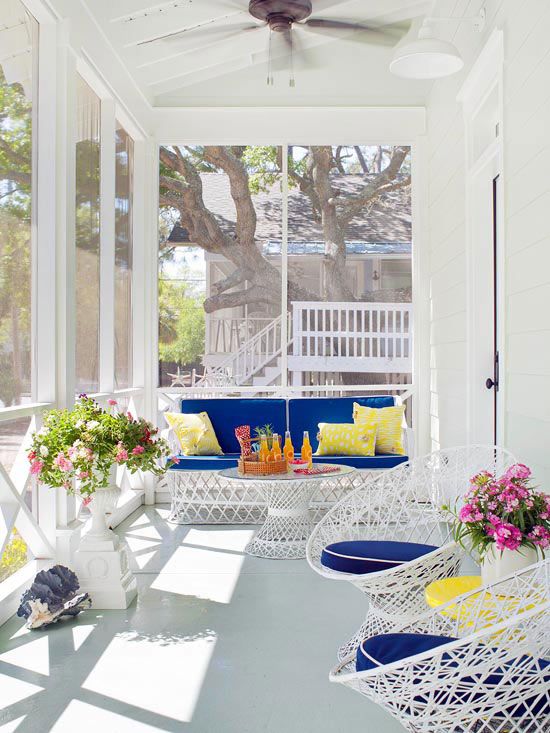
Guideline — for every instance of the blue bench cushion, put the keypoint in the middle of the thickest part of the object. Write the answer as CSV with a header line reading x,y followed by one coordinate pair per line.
x,y
305,413
228,413
206,463
371,556
387,648
363,462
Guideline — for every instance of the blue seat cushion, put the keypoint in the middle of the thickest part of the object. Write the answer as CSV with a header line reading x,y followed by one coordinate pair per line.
x,y
371,556
387,648
364,462
305,413
206,463
228,413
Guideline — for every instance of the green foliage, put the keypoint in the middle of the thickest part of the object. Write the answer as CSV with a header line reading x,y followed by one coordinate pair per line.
x,y
15,556
16,148
181,324
83,443
15,233
263,430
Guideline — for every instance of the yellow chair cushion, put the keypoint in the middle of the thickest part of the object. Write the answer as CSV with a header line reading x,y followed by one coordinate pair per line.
x,y
346,439
389,423
195,433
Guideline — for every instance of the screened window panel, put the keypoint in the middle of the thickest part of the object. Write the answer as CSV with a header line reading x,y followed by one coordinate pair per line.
x,y
220,266
17,87
350,324
348,264
88,157
124,181
18,82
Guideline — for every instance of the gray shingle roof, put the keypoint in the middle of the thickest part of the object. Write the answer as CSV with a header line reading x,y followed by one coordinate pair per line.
x,y
386,229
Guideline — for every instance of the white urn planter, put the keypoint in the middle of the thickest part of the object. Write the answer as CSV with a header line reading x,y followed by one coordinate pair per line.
x,y
498,564
101,561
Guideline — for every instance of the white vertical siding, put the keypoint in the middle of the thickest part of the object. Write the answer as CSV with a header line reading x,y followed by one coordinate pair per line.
x,y
527,245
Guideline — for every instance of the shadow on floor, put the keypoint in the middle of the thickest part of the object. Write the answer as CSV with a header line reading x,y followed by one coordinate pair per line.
x,y
217,642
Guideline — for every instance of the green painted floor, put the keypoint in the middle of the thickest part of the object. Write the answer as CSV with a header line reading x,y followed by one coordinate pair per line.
x,y
217,642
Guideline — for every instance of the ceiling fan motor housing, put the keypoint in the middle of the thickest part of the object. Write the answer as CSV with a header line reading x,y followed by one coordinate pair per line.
x,y
280,14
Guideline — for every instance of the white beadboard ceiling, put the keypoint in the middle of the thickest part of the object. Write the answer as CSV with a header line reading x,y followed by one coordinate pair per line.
x,y
223,69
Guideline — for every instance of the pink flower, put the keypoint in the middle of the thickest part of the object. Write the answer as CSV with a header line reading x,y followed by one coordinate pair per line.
x,y
83,474
122,454
112,402
138,450
36,467
506,536
517,471
540,536
63,463
129,416
470,513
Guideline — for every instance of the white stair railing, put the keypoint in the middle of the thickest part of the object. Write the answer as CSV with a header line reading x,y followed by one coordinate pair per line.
x,y
249,359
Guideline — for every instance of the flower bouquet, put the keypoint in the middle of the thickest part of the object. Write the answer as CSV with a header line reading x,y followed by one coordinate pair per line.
x,y
85,443
504,520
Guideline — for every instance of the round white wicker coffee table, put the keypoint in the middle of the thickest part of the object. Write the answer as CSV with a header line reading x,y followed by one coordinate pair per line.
x,y
288,525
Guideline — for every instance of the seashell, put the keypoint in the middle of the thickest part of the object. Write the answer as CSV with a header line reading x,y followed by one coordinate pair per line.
x,y
53,594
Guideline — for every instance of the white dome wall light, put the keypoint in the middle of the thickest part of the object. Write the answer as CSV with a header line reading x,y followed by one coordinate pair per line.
x,y
429,57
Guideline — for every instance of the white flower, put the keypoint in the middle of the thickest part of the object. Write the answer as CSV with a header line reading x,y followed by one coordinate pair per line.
x,y
92,424
79,423
43,431
44,451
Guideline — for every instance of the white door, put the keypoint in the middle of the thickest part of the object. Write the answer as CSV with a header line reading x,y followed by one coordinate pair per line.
x,y
484,258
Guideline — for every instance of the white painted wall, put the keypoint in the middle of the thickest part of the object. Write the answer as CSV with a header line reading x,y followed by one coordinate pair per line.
x,y
526,359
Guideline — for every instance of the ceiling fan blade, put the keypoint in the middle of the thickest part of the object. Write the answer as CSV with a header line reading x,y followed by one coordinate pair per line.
x,y
209,32
386,35
203,29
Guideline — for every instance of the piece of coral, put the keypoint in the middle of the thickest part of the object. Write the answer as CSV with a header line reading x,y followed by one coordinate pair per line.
x,y
53,594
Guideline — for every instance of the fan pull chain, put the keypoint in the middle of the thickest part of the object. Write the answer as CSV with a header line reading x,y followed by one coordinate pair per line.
x,y
270,81
292,80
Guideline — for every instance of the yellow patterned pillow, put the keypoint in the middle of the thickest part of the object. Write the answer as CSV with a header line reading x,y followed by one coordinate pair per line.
x,y
389,422
195,433
346,439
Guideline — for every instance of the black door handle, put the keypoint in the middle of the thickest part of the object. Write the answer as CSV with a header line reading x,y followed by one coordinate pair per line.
x,y
490,384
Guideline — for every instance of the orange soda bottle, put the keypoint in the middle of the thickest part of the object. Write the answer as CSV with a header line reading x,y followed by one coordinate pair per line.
x,y
307,451
276,448
288,450
263,454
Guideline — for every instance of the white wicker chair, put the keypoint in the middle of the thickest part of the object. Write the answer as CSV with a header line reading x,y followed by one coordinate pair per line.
x,y
490,679
403,504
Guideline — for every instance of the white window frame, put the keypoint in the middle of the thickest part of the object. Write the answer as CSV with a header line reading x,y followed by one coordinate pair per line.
x,y
282,127
51,537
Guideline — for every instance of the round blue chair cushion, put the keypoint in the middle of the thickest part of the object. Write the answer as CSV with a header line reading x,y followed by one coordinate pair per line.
x,y
370,556
387,648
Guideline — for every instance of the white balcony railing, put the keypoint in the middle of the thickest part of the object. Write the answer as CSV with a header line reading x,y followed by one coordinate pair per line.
x,y
365,337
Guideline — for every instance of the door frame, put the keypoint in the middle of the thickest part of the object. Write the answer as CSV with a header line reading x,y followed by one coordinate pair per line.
x,y
484,82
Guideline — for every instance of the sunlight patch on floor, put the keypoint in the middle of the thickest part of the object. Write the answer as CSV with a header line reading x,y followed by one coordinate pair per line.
x,y
205,574
147,533
136,544
84,718
80,634
235,540
174,677
142,559
34,656
12,726
13,690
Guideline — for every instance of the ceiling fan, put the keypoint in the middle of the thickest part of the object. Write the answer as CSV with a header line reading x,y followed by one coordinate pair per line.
x,y
283,17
